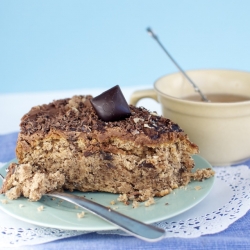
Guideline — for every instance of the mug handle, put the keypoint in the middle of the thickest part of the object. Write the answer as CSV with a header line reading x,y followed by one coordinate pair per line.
x,y
140,94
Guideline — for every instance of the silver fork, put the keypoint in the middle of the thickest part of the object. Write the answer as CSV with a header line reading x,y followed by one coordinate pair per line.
x,y
133,227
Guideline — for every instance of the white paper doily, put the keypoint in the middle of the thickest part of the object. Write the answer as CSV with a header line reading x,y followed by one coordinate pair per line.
x,y
228,201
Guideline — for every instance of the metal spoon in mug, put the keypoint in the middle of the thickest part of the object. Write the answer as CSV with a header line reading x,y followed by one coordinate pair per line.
x,y
134,227
203,97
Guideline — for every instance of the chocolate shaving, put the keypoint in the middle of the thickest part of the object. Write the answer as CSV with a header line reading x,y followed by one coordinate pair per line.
x,y
106,156
78,115
146,165
88,153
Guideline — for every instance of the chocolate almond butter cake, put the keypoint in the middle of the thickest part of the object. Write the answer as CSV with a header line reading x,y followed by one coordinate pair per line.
x,y
72,144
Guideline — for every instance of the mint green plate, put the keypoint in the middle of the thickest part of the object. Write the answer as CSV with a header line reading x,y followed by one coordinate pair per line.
x,y
63,215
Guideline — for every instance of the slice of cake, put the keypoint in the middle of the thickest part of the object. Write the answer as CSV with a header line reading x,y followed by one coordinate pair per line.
x,y
69,145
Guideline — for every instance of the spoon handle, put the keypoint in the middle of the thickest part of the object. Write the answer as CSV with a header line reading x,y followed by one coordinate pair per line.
x,y
134,227
204,98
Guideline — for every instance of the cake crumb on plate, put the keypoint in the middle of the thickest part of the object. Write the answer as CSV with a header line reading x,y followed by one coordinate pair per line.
x,y
149,202
135,204
112,202
80,215
41,208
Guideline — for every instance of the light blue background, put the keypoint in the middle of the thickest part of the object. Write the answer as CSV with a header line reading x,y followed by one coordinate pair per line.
x,y
59,45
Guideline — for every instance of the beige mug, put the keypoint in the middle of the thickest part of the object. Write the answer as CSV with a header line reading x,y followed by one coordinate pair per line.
x,y
221,130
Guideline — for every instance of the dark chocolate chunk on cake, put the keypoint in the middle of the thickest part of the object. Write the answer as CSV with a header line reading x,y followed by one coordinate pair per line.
x,y
111,105
65,145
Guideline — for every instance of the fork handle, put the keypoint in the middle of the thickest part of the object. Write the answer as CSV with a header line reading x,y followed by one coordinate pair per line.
x,y
134,227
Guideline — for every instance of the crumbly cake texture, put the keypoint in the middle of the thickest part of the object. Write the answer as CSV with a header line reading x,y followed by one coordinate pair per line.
x,y
65,146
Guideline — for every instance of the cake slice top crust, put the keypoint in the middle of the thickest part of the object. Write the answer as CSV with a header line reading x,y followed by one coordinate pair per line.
x,y
76,115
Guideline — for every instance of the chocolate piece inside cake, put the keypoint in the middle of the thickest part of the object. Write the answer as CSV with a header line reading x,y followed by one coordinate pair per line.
x,y
64,145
